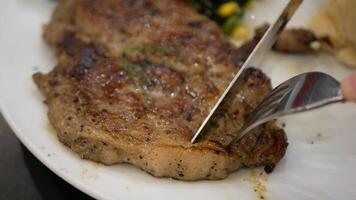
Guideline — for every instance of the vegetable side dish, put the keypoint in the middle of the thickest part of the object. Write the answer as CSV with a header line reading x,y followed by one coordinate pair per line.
x,y
228,14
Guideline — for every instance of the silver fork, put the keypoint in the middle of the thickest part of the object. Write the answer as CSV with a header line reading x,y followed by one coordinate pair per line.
x,y
301,93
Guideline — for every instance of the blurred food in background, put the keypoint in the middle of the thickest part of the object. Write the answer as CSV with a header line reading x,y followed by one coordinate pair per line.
x,y
337,21
334,27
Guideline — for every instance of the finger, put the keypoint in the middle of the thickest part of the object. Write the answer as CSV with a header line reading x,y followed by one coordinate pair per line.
x,y
348,88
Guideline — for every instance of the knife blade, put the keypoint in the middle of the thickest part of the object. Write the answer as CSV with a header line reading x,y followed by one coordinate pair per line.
x,y
265,44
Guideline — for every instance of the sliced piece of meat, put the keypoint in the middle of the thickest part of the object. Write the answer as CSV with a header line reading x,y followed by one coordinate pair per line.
x,y
297,40
292,40
134,81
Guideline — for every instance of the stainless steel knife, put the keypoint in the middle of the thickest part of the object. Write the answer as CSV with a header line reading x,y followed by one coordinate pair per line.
x,y
265,44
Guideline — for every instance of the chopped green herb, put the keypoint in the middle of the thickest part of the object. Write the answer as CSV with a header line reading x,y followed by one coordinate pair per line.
x,y
167,63
163,51
128,50
129,68
137,73
148,49
145,48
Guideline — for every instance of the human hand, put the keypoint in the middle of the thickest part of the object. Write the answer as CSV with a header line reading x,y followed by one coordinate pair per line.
x,y
348,88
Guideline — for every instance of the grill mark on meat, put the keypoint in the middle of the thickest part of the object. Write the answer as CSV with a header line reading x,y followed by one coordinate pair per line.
x,y
164,76
70,44
137,94
85,62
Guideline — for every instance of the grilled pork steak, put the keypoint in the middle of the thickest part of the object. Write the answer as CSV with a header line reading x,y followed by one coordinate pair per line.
x,y
134,81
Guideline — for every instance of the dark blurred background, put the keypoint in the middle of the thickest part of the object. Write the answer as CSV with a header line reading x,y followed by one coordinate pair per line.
x,y
22,176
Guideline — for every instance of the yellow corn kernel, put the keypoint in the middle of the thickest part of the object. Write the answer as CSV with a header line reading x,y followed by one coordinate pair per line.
x,y
228,9
241,32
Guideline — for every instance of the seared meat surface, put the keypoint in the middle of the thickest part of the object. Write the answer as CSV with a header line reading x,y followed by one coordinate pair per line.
x,y
134,81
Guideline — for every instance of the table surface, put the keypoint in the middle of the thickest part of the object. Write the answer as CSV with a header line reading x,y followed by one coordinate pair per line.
x,y
25,177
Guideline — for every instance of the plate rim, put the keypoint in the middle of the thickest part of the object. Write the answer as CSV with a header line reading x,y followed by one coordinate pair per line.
x,y
71,179
44,160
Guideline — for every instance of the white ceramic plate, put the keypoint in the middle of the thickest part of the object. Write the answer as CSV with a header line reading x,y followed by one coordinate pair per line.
x,y
320,162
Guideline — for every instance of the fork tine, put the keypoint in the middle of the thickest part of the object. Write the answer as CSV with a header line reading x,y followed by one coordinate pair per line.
x,y
270,100
262,112
256,119
273,98
279,88
244,130
277,93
